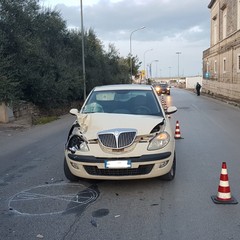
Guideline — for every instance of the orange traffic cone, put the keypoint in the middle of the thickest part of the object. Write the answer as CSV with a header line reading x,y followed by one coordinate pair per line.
x,y
224,192
165,103
177,131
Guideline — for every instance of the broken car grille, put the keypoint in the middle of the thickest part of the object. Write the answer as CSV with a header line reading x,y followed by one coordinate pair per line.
x,y
141,170
117,138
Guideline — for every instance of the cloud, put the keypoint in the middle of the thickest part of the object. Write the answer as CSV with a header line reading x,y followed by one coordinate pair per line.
x,y
115,20
171,26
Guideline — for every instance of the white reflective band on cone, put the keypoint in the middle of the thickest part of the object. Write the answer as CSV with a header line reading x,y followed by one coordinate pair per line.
x,y
224,183
224,171
224,196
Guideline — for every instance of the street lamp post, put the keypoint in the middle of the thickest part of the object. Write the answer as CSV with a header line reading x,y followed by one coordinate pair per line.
x,y
131,68
178,53
148,71
83,54
151,66
169,72
157,68
144,61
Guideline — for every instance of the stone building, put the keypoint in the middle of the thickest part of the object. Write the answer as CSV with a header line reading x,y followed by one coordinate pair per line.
x,y
221,62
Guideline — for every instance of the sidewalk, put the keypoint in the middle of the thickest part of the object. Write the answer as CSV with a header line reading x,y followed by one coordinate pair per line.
x,y
7,129
222,99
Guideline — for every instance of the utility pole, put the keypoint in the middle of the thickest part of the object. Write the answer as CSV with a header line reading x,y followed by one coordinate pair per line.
x,y
178,53
131,67
83,55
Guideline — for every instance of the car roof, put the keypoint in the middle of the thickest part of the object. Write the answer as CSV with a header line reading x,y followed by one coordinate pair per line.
x,y
123,87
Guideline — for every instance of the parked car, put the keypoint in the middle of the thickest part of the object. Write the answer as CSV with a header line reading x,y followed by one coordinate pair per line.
x,y
121,132
162,88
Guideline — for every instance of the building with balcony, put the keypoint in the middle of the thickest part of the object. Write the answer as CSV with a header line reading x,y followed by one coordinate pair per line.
x,y
221,62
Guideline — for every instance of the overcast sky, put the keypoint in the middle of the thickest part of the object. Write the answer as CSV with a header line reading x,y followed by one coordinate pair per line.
x,y
171,26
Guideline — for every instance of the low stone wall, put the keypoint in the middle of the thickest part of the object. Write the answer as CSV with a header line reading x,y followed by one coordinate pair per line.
x,y
25,110
223,90
28,112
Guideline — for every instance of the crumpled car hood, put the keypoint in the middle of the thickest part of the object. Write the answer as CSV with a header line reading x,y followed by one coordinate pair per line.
x,y
91,124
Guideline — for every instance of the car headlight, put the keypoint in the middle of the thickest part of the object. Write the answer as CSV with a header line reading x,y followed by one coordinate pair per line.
x,y
76,143
159,141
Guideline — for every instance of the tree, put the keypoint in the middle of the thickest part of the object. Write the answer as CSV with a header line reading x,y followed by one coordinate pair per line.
x,y
118,65
8,86
14,30
41,59
135,65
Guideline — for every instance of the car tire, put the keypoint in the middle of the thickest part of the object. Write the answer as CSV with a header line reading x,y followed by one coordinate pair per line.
x,y
68,173
171,174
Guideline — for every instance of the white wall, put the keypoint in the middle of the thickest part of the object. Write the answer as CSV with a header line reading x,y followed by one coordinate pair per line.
x,y
6,114
192,81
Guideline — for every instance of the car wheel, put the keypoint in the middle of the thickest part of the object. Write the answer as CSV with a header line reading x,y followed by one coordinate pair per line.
x,y
171,174
68,173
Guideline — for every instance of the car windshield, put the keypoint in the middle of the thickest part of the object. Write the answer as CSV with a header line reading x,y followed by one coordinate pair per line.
x,y
138,102
163,85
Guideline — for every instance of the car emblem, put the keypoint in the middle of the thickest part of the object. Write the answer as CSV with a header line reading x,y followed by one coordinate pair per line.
x,y
116,133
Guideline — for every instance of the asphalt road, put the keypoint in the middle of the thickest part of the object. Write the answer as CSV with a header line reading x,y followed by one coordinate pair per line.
x,y
37,202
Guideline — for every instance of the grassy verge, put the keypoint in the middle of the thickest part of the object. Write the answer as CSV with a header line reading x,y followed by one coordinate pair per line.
x,y
44,120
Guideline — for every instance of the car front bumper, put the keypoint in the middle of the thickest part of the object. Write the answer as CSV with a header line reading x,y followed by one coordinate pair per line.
x,y
163,92
145,166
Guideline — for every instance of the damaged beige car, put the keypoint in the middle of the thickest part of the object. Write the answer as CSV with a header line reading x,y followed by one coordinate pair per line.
x,y
121,132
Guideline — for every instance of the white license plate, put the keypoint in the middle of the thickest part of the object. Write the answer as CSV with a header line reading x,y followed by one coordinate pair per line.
x,y
118,164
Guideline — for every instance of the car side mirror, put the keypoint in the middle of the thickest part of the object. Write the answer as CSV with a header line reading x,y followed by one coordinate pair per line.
x,y
74,111
171,110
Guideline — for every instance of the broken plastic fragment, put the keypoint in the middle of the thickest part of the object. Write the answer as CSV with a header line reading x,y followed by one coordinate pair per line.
x,y
93,222
39,236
